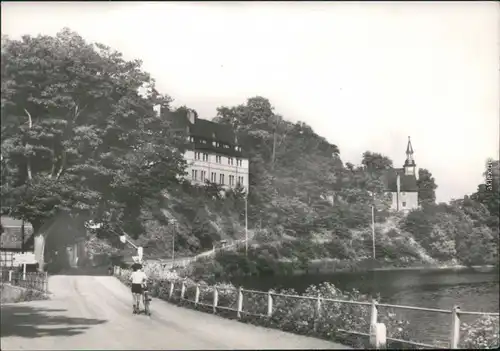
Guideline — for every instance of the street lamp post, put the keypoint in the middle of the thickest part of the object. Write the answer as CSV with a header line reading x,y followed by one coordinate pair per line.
x,y
373,230
373,222
246,225
173,240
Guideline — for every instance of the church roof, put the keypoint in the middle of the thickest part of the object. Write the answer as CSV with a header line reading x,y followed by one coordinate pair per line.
x,y
409,147
408,183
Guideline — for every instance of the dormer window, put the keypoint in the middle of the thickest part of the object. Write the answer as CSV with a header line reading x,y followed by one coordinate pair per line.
x,y
191,139
214,143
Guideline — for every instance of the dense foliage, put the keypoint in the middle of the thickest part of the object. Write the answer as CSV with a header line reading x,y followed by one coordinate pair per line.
x,y
81,140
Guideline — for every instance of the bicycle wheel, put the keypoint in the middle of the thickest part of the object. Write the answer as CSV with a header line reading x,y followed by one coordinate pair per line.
x,y
146,305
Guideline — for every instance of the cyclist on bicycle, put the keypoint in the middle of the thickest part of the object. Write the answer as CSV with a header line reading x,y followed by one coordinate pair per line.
x,y
139,280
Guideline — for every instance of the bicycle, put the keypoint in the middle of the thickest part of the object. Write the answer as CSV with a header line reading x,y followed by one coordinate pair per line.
x,y
146,299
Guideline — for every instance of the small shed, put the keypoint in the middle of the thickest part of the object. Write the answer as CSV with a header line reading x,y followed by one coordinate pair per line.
x,y
16,237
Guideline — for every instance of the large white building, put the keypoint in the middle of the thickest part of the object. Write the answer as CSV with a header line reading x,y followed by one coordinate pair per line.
x,y
213,154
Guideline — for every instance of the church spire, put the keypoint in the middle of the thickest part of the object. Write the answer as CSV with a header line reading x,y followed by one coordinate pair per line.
x,y
409,165
409,148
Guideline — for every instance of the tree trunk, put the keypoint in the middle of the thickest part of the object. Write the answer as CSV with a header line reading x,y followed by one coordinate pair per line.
x,y
39,245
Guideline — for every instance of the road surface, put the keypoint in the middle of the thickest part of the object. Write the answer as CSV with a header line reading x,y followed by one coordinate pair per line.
x,y
94,312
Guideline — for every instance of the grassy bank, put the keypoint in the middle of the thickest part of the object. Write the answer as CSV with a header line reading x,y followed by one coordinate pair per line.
x,y
301,316
12,294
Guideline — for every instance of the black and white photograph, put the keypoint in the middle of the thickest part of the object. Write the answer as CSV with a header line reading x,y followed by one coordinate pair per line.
x,y
250,175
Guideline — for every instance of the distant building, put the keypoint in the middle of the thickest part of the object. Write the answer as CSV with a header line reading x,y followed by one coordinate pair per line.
x,y
401,183
17,237
214,153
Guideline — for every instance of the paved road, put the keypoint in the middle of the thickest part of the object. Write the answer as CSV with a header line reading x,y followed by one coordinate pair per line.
x,y
94,312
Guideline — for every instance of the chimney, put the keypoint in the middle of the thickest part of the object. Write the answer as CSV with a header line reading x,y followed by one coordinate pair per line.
x,y
157,109
191,116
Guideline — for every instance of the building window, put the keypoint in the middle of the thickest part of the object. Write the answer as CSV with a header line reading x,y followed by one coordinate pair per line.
x,y
205,157
203,175
214,143
404,204
218,159
194,174
213,177
231,180
191,139
230,161
240,180
196,155
239,162
203,141
221,179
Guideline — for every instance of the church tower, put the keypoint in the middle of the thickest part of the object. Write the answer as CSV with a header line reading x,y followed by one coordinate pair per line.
x,y
409,166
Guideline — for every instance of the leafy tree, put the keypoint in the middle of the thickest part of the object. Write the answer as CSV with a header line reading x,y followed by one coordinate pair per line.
x,y
488,193
426,186
375,161
78,135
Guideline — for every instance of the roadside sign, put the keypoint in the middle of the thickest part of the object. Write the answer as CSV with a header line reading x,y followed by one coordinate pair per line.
x,y
23,258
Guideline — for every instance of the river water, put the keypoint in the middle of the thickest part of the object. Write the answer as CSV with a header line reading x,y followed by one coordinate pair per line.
x,y
471,290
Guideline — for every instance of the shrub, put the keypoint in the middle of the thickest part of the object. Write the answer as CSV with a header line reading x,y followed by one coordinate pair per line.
x,y
483,333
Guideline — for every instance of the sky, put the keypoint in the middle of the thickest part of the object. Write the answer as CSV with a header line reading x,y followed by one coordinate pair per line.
x,y
364,75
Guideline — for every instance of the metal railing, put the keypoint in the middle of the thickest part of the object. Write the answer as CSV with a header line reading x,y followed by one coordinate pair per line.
x,y
197,295
30,280
180,263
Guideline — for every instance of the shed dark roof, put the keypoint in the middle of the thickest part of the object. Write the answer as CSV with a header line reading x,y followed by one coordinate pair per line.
x,y
408,183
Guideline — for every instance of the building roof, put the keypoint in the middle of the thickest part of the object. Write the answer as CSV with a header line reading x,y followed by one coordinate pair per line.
x,y
409,148
205,133
408,183
11,238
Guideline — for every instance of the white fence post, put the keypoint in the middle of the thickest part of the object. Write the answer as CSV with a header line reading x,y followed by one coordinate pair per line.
x,y
455,327
240,302
317,313
216,299
269,304
373,313
171,292
10,276
183,290
24,271
197,294
378,331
